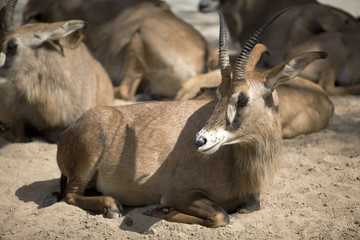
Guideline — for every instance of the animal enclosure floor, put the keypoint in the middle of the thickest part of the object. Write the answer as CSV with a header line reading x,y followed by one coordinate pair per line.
x,y
315,194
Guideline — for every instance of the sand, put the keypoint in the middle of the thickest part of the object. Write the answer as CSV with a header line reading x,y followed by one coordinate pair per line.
x,y
315,194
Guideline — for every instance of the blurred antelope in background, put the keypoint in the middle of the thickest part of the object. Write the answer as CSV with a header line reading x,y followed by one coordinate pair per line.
x,y
48,77
141,43
307,26
144,154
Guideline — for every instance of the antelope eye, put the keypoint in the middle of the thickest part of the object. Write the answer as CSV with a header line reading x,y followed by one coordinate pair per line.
x,y
242,100
12,46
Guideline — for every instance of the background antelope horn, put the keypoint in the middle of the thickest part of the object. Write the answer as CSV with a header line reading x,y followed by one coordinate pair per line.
x,y
2,13
9,15
241,61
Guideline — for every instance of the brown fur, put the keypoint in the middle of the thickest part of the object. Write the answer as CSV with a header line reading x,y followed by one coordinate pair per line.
x,y
142,45
51,78
306,26
143,154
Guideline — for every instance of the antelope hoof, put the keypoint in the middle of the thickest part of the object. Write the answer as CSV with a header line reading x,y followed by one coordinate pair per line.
x,y
112,213
115,212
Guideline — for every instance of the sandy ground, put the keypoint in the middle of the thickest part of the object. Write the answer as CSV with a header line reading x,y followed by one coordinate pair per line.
x,y
315,193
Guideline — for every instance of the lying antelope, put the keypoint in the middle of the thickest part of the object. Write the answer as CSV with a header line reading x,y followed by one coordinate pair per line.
x,y
48,77
143,154
307,26
143,46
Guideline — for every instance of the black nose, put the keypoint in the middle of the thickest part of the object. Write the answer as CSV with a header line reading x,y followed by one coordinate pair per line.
x,y
200,141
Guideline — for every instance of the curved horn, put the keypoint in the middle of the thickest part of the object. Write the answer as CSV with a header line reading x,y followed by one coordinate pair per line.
x,y
224,61
2,13
9,15
241,61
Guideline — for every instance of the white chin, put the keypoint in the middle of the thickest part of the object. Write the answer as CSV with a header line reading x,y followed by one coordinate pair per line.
x,y
209,150
233,142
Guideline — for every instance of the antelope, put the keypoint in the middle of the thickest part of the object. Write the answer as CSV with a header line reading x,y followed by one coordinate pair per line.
x,y
49,78
244,16
304,107
307,26
144,154
143,46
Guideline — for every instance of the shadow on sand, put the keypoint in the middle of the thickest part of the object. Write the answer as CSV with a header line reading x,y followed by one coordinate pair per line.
x,y
43,193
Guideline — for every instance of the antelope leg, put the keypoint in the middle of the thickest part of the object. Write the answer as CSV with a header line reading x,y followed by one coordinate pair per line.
x,y
74,195
327,82
192,208
134,70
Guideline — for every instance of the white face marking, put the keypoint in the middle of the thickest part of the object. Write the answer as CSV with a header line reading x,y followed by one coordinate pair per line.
x,y
231,109
234,98
2,59
218,94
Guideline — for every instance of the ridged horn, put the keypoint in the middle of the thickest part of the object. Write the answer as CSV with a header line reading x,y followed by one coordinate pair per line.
x,y
224,61
3,3
9,15
241,61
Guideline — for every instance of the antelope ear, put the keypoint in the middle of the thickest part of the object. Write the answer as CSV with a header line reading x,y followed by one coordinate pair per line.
x,y
290,69
73,40
60,30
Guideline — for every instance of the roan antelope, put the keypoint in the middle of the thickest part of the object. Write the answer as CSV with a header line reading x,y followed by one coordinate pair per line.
x,y
48,77
143,46
144,154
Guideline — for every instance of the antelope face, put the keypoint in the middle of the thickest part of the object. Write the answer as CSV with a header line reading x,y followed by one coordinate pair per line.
x,y
11,49
244,111
12,55
236,95
20,45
